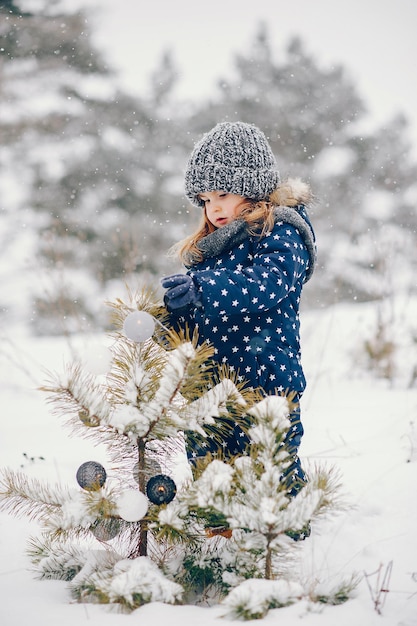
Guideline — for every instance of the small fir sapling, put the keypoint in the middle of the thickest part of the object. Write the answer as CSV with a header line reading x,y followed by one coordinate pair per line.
x,y
160,385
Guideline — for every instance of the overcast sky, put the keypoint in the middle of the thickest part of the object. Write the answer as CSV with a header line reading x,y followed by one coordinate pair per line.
x,y
376,40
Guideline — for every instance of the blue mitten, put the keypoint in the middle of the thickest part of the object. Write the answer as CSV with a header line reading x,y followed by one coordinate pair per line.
x,y
181,292
175,280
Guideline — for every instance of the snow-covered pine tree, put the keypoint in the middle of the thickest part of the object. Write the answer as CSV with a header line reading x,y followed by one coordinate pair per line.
x,y
127,534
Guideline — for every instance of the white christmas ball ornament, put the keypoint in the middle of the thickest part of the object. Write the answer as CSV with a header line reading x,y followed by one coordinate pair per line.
x,y
139,326
132,505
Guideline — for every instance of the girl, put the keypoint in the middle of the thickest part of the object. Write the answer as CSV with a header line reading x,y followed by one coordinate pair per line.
x,y
247,264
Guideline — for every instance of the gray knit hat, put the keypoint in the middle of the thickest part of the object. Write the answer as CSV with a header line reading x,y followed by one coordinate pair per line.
x,y
233,157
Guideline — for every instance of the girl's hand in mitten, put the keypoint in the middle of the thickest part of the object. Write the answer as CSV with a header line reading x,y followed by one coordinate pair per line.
x,y
181,292
182,281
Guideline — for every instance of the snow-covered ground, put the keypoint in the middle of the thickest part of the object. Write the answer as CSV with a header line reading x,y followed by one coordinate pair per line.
x,y
363,425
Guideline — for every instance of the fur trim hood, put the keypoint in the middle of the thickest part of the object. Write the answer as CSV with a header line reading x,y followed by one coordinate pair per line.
x,y
292,192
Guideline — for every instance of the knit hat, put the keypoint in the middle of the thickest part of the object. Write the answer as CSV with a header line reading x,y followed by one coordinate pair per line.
x,y
234,157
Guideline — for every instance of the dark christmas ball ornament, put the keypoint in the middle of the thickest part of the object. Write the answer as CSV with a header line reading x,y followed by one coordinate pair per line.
x,y
88,420
91,476
106,529
161,489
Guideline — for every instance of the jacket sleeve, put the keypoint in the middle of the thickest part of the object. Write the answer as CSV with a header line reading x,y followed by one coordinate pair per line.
x,y
279,261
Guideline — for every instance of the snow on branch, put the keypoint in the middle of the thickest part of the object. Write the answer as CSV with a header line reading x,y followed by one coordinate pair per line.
x,y
30,497
79,391
212,404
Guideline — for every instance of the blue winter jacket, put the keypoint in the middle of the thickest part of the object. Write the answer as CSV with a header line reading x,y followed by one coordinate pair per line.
x,y
250,290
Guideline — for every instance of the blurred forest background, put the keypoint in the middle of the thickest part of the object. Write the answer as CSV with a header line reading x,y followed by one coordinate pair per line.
x,y
91,178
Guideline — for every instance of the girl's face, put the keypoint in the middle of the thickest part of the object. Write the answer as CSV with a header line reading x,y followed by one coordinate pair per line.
x,y
221,207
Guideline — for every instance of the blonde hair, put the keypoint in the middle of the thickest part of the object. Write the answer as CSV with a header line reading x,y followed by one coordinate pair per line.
x,y
258,215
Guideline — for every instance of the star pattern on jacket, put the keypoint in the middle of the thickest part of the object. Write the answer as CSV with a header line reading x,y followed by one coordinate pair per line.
x,y
250,297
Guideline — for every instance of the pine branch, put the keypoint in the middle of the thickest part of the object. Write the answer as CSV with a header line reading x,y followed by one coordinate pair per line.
x,y
79,392
56,558
141,364
22,496
328,481
155,412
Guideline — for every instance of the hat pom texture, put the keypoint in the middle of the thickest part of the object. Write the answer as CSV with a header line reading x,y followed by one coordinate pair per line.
x,y
234,157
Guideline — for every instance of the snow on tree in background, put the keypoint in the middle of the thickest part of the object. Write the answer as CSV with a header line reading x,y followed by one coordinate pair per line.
x,y
85,172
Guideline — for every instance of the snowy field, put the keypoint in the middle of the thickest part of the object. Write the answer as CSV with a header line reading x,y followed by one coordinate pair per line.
x,y
361,424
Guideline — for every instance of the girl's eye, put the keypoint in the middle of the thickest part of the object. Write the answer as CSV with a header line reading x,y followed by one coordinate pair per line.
x,y
223,194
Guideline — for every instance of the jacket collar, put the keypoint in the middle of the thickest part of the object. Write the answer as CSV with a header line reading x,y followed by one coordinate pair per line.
x,y
231,235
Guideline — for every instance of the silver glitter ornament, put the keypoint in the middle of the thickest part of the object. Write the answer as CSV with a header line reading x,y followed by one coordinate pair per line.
x,y
91,476
106,529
